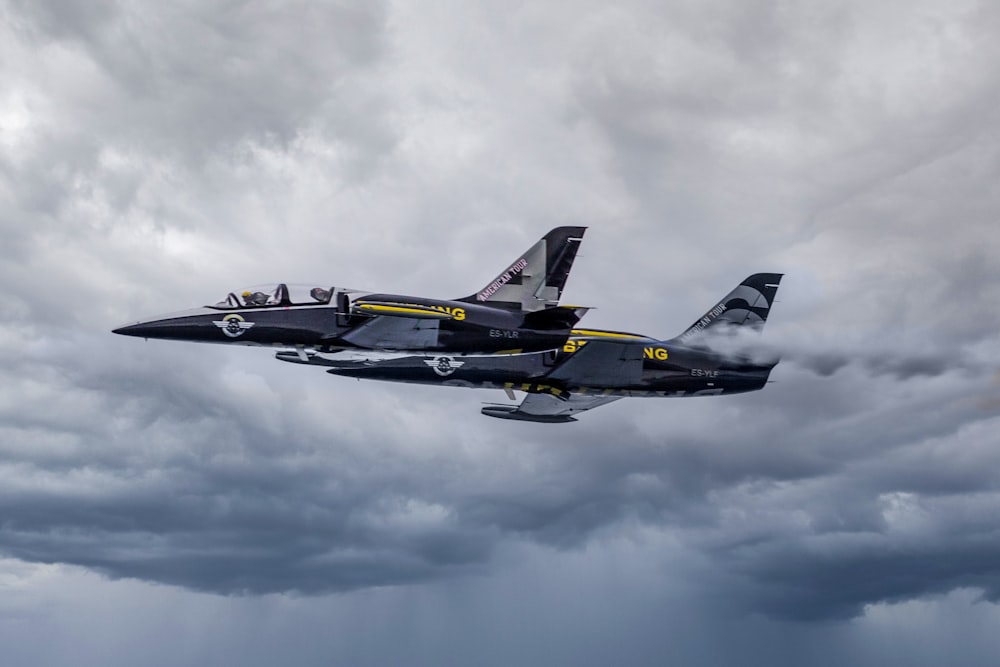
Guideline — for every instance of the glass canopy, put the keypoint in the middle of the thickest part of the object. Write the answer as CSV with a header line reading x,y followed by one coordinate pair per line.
x,y
281,294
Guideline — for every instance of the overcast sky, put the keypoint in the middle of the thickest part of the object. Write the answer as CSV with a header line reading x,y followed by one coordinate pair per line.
x,y
165,503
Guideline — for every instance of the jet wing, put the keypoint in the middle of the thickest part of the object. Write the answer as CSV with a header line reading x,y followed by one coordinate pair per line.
x,y
602,363
394,333
547,408
597,364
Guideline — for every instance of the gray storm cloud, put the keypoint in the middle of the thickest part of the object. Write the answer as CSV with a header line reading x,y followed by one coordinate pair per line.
x,y
154,158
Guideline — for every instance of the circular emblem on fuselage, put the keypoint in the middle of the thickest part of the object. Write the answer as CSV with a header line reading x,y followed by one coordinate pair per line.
x,y
444,366
233,325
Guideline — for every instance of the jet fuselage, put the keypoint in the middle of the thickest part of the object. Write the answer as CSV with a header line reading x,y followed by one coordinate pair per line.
x,y
364,320
665,369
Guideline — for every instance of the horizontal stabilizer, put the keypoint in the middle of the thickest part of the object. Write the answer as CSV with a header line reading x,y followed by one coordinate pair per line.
x,y
554,319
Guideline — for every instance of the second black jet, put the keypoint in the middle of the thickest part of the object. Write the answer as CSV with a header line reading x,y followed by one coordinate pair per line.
x,y
596,367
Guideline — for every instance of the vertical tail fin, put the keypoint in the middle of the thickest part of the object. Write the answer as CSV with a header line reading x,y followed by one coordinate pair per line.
x,y
746,306
535,280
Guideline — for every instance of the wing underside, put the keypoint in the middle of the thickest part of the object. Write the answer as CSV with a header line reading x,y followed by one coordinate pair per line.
x,y
547,408
599,363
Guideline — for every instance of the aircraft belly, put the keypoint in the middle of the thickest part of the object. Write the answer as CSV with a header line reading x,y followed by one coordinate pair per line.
x,y
676,384
694,385
445,369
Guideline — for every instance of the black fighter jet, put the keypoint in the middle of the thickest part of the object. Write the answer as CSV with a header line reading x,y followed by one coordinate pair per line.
x,y
595,367
518,311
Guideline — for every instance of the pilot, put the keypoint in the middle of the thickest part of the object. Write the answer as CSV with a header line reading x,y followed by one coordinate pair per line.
x,y
320,294
254,298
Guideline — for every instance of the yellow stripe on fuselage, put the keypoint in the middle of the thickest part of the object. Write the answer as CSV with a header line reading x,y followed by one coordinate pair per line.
x,y
422,312
596,333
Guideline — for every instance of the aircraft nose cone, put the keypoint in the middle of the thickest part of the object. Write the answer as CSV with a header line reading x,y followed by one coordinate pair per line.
x,y
183,325
138,329
148,329
198,324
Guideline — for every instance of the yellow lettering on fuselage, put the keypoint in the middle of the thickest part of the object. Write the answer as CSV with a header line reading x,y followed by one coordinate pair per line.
x,y
573,345
652,352
658,353
456,313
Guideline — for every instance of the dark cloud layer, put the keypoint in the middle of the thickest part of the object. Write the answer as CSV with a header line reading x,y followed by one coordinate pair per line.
x,y
214,480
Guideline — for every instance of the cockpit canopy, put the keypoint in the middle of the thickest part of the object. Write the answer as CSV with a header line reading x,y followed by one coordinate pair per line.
x,y
276,295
